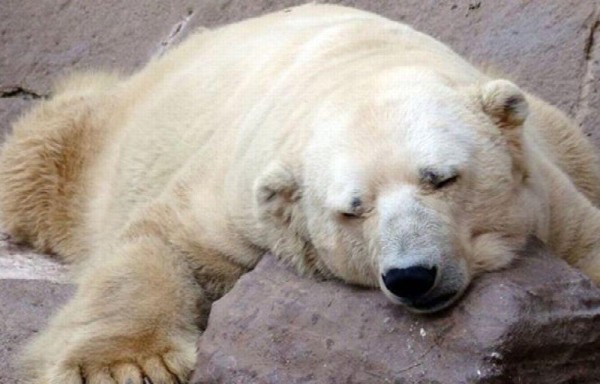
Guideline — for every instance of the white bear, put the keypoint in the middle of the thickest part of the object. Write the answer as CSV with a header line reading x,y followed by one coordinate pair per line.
x,y
349,145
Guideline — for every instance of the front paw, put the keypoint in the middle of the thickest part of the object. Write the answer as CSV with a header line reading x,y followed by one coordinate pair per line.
x,y
104,354
134,316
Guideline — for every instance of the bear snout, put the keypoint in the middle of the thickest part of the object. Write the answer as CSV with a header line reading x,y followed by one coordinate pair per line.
x,y
410,283
425,289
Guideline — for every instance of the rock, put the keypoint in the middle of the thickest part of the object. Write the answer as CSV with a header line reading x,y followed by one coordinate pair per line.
x,y
537,322
32,287
588,114
72,36
19,262
25,306
10,110
44,40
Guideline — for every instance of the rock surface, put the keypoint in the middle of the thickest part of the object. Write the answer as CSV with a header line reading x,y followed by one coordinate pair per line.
x,y
538,322
25,306
32,286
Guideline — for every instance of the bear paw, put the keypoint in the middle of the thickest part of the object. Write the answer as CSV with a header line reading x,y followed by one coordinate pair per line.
x,y
124,360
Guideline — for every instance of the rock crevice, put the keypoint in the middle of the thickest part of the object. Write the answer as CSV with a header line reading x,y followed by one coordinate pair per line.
x,y
176,32
20,92
591,60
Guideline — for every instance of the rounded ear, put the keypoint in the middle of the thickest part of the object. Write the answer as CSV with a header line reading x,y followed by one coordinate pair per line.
x,y
507,106
276,190
505,103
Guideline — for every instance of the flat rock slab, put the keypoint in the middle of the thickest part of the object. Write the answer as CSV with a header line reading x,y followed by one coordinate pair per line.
x,y
25,306
538,322
32,287
22,263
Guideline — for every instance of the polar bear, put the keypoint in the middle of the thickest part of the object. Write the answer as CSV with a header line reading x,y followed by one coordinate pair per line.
x,y
350,146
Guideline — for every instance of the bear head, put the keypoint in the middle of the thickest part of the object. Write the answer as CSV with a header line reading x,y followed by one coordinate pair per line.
x,y
411,183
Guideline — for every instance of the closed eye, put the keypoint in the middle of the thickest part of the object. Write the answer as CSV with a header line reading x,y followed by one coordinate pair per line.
x,y
350,215
355,210
439,180
445,182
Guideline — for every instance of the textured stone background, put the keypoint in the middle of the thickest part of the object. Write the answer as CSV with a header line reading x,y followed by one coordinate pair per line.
x,y
549,47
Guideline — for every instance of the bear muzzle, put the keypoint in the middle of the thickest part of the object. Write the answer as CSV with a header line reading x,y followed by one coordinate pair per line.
x,y
423,289
409,283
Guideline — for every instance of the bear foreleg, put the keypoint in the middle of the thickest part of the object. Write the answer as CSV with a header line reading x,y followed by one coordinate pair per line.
x,y
137,312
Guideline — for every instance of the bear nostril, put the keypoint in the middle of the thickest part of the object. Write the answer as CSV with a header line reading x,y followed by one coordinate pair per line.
x,y
409,283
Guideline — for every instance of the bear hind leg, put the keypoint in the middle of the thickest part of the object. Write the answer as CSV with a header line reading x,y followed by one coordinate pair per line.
x,y
42,170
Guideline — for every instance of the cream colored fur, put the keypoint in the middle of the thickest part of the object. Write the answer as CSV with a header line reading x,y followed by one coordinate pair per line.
x,y
319,134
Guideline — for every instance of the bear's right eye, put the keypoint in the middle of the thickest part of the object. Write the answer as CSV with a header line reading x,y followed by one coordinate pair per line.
x,y
355,210
350,215
445,182
439,180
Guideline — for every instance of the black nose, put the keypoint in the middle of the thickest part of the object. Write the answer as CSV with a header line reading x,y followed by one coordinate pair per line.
x,y
409,283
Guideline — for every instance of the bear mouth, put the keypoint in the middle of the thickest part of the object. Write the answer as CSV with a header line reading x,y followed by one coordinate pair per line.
x,y
434,304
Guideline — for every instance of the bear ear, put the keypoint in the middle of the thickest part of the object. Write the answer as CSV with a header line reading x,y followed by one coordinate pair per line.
x,y
276,191
507,106
505,103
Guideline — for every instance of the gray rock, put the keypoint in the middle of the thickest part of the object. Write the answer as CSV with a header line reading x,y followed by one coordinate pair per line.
x,y
32,287
42,40
25,306
10,109
18,262
538,322
587,114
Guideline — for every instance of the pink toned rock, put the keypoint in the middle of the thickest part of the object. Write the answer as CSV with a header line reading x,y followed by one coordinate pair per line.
x,y
32,287
25,306
538,322
43,40
10,110
587,113
18,262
